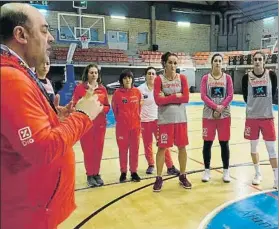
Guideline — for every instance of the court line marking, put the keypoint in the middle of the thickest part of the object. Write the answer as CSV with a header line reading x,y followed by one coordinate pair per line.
x,y
129,193
219,171
166,175
195,148
210,216
140,188
234,103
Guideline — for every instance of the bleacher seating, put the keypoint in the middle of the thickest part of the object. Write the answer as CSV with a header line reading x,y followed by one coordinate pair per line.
x,y
145,57
98,55
59,53
154,57
204,58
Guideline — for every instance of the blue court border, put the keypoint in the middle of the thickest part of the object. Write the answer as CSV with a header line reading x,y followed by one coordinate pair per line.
x,y
256,211
111,119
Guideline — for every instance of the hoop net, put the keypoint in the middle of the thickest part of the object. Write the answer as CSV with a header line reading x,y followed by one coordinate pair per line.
x,y
84,42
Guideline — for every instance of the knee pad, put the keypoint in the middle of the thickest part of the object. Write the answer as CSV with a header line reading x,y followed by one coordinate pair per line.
x,y
254,145
270,146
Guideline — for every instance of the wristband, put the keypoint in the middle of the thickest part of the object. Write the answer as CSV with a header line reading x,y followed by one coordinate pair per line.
x,y
83,112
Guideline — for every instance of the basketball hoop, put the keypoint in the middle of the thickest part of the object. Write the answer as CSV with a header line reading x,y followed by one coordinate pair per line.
x,y
84,42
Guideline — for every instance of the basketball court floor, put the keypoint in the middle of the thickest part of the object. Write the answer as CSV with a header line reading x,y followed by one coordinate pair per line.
x,y
212,205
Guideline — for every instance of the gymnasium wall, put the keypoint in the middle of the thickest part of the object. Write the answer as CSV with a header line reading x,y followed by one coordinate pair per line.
x,y
168,35
257,29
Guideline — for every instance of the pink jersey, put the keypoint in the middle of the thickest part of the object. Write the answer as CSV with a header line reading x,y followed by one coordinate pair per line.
x,y
216,92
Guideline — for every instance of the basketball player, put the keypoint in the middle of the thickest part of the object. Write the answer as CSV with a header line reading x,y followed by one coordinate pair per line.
x,y
37,160
259,90
42,71
92,143
217,94
149,119
171,92
126,105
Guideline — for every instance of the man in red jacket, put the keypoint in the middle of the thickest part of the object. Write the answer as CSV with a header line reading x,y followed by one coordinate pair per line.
x,y
37,160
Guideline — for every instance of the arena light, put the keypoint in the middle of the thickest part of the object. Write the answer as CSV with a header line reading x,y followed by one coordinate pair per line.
x,y
41,7
184,23
118,17
269,19
43,11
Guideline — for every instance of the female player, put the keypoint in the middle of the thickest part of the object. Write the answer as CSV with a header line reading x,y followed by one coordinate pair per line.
x,y
217,94
259,90
149,119
171,92
42,71
126,104
92,143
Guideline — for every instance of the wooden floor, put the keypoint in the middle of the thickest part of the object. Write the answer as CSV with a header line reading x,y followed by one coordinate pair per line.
x,y
136,206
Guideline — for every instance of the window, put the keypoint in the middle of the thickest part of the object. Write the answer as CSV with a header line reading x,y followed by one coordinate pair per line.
x,y
142,38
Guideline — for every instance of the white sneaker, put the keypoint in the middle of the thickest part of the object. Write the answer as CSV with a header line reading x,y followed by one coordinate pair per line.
x,y
206,175
275,184
257,179
226,176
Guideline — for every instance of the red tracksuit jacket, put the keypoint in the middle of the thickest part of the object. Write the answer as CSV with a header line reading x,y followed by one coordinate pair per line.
x,y
37,160
102,94
126,107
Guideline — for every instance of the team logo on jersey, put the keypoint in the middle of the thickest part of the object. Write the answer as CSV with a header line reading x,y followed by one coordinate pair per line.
x,y
217,92
204,132
25,136
164,138
247,131
124,100
259,91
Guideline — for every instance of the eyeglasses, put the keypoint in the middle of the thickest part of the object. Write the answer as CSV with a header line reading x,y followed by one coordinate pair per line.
x,y
258,59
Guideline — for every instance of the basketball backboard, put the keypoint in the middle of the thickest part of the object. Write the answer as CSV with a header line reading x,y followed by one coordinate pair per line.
x,y
71,27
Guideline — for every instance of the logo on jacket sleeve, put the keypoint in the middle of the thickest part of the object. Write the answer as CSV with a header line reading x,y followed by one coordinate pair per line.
x,y
25,136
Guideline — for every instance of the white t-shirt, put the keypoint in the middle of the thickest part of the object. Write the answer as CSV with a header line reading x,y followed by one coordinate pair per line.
x,y
149,109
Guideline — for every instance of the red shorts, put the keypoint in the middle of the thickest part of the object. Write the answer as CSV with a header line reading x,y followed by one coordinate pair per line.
x,y
223,127
172,134
253,127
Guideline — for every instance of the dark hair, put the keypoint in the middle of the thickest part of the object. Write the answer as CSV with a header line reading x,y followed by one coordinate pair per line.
x,y
261,53
84,76
147,69
125,73
165,57
8,21
213,57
